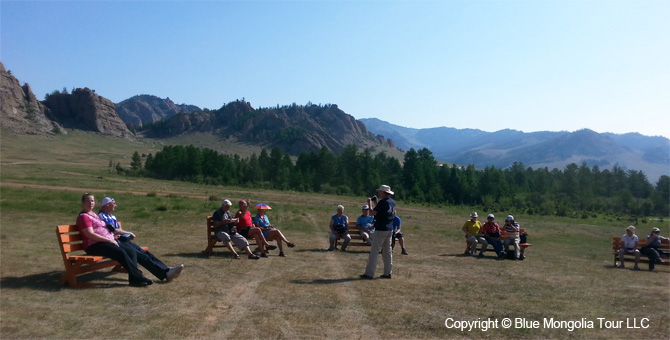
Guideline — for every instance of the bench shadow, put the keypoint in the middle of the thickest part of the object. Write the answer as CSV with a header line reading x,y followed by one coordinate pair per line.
x,y
200,254
50,281
324,281
319,250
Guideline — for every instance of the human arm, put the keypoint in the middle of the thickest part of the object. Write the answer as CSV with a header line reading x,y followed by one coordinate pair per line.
x,y
91,235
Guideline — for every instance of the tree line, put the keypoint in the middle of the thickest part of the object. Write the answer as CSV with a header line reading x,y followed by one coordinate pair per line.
x,y
576,190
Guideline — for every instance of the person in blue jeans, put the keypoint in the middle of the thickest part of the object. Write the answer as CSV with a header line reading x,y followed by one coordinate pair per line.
x,y
651,250
397,235
490,231
144,257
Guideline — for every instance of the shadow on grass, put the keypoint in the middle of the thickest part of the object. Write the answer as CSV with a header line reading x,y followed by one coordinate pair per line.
x,y
323,281
50,282
328,251
201,255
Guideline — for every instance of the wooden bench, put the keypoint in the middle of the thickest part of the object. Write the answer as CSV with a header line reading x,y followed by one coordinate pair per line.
x,y
617,244
503,237
355,234
212,240
76,261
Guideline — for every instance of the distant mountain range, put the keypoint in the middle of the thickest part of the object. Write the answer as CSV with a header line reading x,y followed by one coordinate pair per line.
x,y
535,149
145,108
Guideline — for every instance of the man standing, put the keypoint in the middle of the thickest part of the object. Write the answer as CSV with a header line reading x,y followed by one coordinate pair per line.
x,y
144,257
383,213
365,224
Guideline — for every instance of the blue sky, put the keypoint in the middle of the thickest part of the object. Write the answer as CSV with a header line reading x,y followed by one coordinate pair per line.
x,y
490,65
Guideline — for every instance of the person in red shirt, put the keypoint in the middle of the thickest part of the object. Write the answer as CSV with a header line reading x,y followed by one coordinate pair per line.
x,y
490,231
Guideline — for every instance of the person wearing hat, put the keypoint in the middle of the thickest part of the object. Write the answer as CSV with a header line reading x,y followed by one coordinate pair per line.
x,y
383,212
270,233
144,258
397,235
491,232
629,240
651,250
225,230
511,228
365,224
471,229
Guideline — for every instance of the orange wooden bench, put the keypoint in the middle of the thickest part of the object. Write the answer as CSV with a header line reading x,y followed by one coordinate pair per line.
x,y
212,240
76,261
617,244
503,237
355,234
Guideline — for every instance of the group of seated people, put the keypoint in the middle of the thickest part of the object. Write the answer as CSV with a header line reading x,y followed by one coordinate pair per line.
x,y
491,233
651,249
339,228
241,226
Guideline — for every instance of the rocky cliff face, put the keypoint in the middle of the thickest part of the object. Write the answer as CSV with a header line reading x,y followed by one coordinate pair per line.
x,y
292,128
85,110
143,109
20,111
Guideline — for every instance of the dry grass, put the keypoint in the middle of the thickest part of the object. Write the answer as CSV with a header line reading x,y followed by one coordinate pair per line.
x,y
311,293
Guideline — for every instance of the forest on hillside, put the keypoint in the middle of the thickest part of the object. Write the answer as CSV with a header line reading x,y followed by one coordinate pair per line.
x,y
575,191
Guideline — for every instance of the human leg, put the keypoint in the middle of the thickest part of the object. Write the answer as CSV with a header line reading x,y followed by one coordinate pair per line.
x,y
622,252
485,244
147,260
387,254
121,256
377,239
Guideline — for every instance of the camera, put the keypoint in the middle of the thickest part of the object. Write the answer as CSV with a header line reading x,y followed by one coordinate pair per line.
x,y
373,198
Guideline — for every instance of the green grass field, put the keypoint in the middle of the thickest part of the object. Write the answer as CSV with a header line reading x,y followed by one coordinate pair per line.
x,y
312,293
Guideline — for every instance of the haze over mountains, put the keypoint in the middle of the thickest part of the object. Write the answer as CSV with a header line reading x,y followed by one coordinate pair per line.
x,y
296,128
534,149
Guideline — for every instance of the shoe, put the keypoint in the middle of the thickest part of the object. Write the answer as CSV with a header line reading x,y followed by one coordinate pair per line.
x,y
271,247
404,252
253,257
365,277
281,254
386,276
291,244
174,272
636,268
480,255
622,266
522,257
343,249
264,255
330,249
138,283
236,257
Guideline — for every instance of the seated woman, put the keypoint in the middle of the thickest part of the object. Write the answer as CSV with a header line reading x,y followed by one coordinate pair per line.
x,y
246,228
100,240
629,240
339,227
269,232
651,250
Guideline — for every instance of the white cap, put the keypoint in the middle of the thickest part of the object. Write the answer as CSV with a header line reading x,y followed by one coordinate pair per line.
x,y
227,202
365,207
474,214
490,216
106,200
509,218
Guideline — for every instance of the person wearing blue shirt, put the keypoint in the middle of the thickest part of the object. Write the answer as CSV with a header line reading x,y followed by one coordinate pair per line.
x,y
270,232
383,212
339,227
365,224
144,257
397,235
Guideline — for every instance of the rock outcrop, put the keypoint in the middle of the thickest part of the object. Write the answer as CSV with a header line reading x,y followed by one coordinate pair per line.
x,y
20,111
85,110
142,109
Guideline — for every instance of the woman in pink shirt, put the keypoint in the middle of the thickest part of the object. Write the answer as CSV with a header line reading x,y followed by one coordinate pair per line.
x,y
100,240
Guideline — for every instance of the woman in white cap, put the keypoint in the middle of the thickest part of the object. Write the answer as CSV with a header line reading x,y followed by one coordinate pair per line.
x,y
629,240
651,249
511,228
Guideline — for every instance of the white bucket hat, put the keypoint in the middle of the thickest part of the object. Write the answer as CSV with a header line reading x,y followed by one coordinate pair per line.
x,y
386,189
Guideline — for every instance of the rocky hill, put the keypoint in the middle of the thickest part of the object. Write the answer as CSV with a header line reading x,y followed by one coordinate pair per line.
x,y
536,149
20,111
293,128
142,109
83,109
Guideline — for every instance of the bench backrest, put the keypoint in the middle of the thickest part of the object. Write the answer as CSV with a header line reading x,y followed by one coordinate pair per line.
x,y
617,243
69,240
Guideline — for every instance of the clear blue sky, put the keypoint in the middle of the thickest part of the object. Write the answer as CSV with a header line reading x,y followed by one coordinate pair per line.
x,y
491,65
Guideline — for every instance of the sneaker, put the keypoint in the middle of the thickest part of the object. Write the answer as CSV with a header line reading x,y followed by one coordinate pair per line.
x,y
365,277
264,255
281,254
480,255
291,244
636,268
253,257
138,283
271,247
343,249
386,276
622,266
330,249
174,272
404,252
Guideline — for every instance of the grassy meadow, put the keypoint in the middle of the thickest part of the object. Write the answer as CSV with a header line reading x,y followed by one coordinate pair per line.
x,y
311,293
